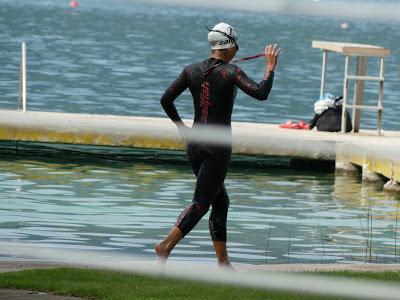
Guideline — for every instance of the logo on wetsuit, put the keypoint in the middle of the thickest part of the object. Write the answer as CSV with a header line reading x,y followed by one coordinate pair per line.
x,y
205,101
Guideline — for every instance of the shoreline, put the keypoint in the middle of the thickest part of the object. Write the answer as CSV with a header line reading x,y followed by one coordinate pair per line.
x,y
20,265
262,277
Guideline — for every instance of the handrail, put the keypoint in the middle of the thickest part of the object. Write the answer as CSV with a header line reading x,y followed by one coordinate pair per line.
x,y
22,80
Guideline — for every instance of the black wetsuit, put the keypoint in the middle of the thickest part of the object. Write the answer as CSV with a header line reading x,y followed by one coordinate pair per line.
x,y
213,85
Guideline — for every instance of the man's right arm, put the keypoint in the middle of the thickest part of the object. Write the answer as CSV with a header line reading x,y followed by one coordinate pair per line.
x,y
173,91
260,90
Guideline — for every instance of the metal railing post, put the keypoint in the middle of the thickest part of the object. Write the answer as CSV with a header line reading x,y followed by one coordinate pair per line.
x,y
345,94
22,80
380,97
323,75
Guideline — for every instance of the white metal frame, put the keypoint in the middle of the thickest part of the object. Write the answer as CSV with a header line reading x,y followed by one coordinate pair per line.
x,y
378,107
345,93
323,76
22,80
359,78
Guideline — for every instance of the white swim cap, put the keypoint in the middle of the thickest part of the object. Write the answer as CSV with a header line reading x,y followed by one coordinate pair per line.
x,y
223,36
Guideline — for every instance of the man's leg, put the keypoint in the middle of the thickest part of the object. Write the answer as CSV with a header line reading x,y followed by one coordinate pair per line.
x,y
192,214
210,178
164,248
221,253
217,225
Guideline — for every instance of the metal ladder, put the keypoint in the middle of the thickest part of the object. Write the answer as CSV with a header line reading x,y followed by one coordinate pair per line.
x,y
361,68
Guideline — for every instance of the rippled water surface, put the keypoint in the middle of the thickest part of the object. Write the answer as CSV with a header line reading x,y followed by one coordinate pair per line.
x,y
118,57
294,216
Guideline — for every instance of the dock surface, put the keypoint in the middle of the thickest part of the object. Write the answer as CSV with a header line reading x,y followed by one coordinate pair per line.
x,y
161,133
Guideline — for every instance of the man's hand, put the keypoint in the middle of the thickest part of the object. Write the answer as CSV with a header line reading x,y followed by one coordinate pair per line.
x,y
271,56
184,131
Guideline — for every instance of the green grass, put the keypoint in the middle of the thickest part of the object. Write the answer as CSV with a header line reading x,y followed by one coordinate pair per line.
x,y
389,276
95,284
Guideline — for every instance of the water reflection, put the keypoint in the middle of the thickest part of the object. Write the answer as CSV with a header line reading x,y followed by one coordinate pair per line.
x,y
276,216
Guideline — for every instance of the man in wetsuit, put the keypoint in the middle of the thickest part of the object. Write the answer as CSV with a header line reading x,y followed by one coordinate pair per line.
x,y
213,84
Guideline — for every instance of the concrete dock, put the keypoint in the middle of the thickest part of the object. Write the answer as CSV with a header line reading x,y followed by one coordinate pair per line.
x,y
377,162
366,149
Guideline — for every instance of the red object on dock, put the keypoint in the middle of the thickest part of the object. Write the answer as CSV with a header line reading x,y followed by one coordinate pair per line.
x,y
290,125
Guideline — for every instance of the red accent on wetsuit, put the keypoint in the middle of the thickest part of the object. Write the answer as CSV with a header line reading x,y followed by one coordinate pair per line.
x,y
205,101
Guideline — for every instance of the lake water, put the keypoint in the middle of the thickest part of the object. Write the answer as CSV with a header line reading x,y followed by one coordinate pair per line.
x,y
129,206
118,59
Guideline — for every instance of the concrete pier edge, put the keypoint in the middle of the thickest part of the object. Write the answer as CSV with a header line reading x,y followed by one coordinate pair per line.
x,y
377,162
375,155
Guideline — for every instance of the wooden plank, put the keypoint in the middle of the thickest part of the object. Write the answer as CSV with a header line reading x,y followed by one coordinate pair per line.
x,y
352,48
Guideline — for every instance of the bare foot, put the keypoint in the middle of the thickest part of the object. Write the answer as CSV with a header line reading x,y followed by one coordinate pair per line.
x,y
226,265
162,252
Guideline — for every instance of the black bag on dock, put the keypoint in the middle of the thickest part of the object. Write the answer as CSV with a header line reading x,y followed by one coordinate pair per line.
x,y
331,119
